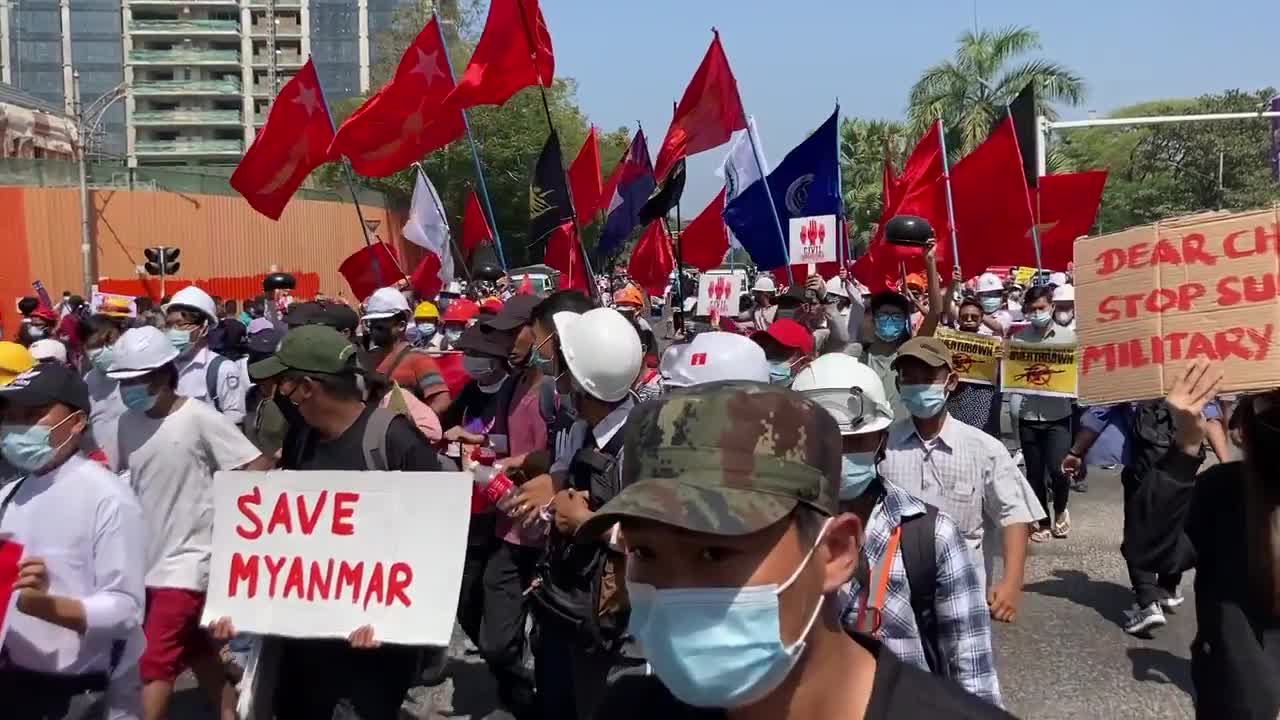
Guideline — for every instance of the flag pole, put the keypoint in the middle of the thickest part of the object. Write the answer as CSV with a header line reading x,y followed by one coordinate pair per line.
x,y
759,157
679,242
475,159
351,186
546,109
951,211
453,244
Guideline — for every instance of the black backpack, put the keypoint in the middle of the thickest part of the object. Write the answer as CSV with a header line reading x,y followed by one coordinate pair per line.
x,y
1151,436
578,585
920,560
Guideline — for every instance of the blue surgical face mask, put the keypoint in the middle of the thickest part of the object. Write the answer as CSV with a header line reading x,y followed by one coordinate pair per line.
x,y
717,647
779,373
923,401
452,334
857,470
426,330
991,304
137,397
1041,318
27,447
101,358
179,339
890,327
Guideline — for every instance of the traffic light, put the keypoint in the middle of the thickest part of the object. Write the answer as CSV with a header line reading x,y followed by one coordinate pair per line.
x,y
162,260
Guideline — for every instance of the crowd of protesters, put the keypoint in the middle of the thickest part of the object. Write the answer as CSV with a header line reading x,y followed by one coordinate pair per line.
x,y
790,511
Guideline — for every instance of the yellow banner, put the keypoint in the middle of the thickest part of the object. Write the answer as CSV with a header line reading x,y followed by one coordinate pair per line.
x,y
972,355
1023,275
1035,369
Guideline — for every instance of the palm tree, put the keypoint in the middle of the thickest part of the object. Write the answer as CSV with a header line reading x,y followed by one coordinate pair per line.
x,y
971,90
863,147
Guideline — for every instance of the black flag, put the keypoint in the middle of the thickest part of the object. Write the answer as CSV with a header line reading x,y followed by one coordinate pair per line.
x,y
549,205
665,196
1023,111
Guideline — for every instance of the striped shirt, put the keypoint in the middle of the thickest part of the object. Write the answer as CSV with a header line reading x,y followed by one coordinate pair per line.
x,y
963,472
960,603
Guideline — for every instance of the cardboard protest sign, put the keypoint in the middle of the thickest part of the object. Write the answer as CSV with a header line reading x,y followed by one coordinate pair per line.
x,y
973,355
98,298
1038,369
1151,299
813,239
719,292
10,555
320,554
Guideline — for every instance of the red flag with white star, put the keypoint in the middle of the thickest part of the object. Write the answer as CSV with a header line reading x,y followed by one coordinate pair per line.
x,y
514,52
403,121
293,142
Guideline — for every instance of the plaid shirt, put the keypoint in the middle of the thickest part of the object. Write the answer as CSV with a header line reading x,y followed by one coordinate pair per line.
x,y
960,606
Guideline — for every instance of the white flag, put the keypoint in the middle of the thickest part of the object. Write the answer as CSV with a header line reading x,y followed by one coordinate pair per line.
x,y
427,226
741,167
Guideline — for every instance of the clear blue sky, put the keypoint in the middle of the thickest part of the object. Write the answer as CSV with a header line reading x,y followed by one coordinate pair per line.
x,y
792,58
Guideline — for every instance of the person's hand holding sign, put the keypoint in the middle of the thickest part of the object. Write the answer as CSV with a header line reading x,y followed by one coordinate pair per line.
x,y
1186,400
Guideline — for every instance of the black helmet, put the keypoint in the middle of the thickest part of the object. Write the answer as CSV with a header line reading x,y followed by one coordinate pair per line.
x,y
278,281
486,271
908,230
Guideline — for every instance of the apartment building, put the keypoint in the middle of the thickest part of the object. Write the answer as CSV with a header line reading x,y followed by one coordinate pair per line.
x,y
180,82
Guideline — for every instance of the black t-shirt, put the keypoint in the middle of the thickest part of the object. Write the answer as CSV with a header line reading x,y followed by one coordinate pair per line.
x,y
407,449
898,691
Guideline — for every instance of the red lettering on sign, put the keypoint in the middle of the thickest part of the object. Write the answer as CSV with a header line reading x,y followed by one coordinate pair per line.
x,y
307,523
349,575
281,516
398,583
343,509
375,586
1245,343
1201,346
1189,251
1236,245
294,580
248,503
273,569
1193,250
320,584
1160,300
243,570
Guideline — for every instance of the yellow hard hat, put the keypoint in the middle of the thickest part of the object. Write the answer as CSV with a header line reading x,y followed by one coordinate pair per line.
x,y
426,311
14,360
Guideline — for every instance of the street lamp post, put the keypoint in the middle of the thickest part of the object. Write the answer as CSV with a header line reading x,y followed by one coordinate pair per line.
x,y
86,236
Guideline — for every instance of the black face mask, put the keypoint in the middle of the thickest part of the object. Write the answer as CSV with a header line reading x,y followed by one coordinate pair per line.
x,y
288,409
381,336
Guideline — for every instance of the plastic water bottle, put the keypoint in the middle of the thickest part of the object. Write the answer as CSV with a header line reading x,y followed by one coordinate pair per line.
x,y
488,485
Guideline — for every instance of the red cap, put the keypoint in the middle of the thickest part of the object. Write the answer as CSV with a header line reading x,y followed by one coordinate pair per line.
x,y
45,313
461,310
491,305
789,333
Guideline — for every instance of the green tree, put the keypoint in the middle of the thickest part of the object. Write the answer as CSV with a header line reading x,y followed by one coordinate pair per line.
x,y
971,90
864,145
1161,171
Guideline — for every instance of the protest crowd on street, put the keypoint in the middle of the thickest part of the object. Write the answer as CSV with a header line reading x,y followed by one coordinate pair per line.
x,y
735,470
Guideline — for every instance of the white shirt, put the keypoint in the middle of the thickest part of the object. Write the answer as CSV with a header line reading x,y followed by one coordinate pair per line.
x,y
88,528
193,383
171,461
570,441
963,472
105,409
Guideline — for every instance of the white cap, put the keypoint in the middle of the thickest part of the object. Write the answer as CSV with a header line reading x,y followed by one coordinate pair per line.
x,y
196,299
836,286
712,357
48,349
1062,293
602,350
384,303
139,351
764,283
831,381
990,282
1058,278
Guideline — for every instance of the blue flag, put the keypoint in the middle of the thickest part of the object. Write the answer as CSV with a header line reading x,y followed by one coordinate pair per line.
x,y
627,190
806,182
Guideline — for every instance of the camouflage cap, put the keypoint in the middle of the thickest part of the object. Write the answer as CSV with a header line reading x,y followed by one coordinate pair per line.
x,y
726,458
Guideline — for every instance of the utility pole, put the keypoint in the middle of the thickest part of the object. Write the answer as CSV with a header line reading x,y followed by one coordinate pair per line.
x,y
86,234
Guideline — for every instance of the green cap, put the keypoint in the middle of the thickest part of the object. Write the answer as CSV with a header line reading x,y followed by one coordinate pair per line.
x,y
727,458
309,348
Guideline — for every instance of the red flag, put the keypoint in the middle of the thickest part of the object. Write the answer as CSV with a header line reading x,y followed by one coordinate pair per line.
x,y
651,259
475,228
402,122
501,63
425,279
526,286
565,254
584,179
294,141
993,216
707,115
1068,205
362,275
705,241
451,371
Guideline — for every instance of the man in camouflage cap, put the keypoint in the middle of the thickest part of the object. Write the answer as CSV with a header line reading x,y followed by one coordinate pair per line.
x,y
730,518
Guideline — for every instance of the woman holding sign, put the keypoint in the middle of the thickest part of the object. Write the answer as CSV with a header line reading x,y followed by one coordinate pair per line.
x,y
975,403
1225,523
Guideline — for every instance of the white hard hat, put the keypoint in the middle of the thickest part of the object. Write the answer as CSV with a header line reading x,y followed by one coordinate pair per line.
x,y
454,288
48,349
836,286
1062,293
1058,278
764,283
139,351
847,389
989,282
712,357
602,350
194,298
384,303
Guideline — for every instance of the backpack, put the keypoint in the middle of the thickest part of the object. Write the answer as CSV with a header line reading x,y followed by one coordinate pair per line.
x,y
403,402
578,585
920,560
211,380
1151,436
373,443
